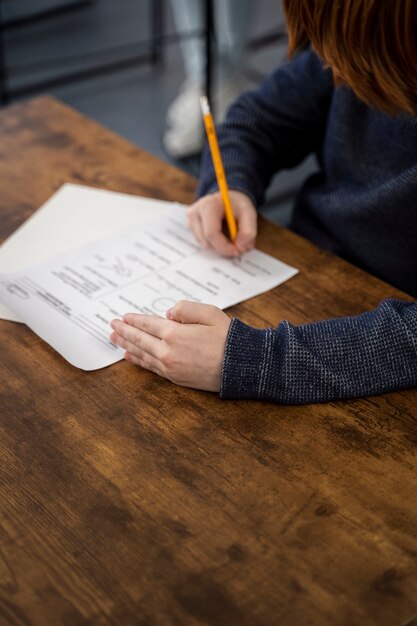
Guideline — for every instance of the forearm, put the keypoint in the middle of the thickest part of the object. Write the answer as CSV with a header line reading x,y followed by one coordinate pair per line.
x,y
331,360
272,128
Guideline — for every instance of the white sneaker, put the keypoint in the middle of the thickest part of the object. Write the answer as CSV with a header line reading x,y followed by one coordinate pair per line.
x,y
185,135
184,140
186,105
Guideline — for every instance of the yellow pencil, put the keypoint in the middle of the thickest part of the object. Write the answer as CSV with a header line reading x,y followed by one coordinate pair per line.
x,y
218,166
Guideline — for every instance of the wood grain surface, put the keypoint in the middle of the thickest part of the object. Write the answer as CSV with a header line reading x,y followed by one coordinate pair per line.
x,y
128,501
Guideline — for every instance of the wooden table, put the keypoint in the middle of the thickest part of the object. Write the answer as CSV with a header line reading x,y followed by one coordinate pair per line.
x,y
128,501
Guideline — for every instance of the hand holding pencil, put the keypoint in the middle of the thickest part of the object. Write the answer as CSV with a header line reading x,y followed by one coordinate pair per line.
x,y
207,215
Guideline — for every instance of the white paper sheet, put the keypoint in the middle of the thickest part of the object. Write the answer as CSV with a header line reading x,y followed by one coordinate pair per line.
x,y
71,299
74,215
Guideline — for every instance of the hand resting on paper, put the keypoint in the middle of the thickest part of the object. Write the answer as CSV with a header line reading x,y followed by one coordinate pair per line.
x,y
186,348
206,218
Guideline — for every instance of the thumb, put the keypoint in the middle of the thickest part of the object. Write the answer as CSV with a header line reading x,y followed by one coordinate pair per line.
x,y
187,312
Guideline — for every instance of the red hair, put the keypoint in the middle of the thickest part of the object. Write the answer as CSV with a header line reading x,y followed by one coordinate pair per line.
x,y
371,45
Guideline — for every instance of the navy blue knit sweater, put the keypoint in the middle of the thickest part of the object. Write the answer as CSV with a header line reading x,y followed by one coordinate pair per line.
x,y
362,206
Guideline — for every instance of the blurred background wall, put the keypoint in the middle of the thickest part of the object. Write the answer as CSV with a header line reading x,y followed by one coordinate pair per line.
x,y
77,36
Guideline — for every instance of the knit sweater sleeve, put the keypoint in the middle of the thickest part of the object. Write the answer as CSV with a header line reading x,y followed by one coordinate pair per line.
x,y
272,128
336,359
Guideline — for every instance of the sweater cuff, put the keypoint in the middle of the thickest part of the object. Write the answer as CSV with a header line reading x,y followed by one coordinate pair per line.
x,y
247,362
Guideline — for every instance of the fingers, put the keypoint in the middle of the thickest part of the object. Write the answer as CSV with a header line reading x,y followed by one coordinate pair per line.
x,y
247,229
191,353
133,340
136,354
206,218
143,361
188,312
196,227
150,324
212,224
217,240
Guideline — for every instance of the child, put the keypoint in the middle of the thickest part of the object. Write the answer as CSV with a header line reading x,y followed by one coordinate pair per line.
x,y
351,98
